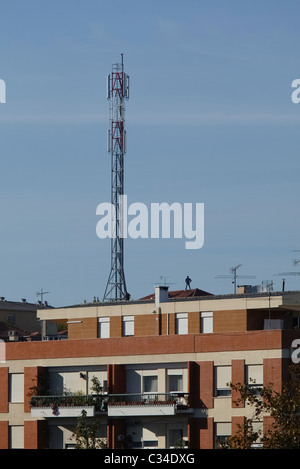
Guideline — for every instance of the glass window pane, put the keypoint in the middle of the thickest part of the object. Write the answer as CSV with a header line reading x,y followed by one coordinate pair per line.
x,y
17,437
175,383
17,387
222,380
175,437
150,383
128,325
103,328
254,374
206,322
182,323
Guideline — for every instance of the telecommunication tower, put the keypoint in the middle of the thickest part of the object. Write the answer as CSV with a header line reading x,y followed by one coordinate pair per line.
x,y
117,93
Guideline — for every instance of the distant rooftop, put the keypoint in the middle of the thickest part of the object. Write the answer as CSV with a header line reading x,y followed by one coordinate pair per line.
x,y
20,305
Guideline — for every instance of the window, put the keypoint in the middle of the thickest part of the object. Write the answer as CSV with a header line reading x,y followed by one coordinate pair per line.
x,y
16,387
206,322
150,444
254,376
257,428
222,432
181,323
176,437
175,383
103,328
16,437
143,437
150,384
101,376
11,318
222,380
128,326
104,385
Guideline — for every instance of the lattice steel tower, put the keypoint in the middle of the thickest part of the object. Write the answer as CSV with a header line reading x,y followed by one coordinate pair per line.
x,y
117,93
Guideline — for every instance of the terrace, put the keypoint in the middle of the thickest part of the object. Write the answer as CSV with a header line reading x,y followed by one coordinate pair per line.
x,y
112,405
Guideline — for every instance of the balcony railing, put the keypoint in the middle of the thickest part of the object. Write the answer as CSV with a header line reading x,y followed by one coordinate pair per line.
x,y
100,403
72,400
177,398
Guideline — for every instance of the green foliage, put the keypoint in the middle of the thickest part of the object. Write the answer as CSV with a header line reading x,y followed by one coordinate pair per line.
x,y
87,429
86,433
283,408
96,387
42,387
244,438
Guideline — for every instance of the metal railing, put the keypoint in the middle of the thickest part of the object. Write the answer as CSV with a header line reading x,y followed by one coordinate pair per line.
x,y
181,400
171,398
72,400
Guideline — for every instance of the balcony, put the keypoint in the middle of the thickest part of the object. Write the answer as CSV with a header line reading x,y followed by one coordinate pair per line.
x,y
159,404
68,405
114,405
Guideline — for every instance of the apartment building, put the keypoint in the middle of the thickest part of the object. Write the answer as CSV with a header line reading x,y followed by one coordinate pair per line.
x,y
164,362
19,321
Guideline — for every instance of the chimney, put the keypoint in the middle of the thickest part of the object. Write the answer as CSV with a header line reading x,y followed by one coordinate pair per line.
x,y
243,289
161,295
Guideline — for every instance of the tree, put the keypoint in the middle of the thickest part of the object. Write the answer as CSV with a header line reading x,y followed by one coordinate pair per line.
x,y
87,428
86,433
283,408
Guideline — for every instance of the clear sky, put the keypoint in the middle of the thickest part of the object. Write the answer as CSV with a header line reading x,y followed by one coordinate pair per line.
x,y
209,120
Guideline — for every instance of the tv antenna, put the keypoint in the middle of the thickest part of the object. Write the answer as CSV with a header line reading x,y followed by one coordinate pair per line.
x,y
117,93
288,273
269,284
233,275
296,261
283,274
163,281
41,294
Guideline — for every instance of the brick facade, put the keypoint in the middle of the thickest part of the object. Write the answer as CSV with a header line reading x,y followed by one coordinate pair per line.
x,y
237,376
4,389
201,433
206,384
4,435
36,434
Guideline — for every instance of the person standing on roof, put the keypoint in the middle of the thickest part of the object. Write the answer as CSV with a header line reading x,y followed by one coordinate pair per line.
x,y
188,283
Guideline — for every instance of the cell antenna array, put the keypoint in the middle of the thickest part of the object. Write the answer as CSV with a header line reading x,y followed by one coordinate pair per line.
x,y
117,93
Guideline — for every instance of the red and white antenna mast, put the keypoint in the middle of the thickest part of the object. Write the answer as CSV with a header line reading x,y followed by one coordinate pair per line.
x,y
117,93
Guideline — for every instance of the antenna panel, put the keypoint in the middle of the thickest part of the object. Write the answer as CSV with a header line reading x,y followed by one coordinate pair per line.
x,y
108,141
108,87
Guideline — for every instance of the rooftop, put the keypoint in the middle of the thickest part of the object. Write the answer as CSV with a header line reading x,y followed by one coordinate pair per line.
x,y
185,295
180,294
20,305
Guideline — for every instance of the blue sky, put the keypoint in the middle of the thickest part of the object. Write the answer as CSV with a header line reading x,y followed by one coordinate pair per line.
x,y
209,120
